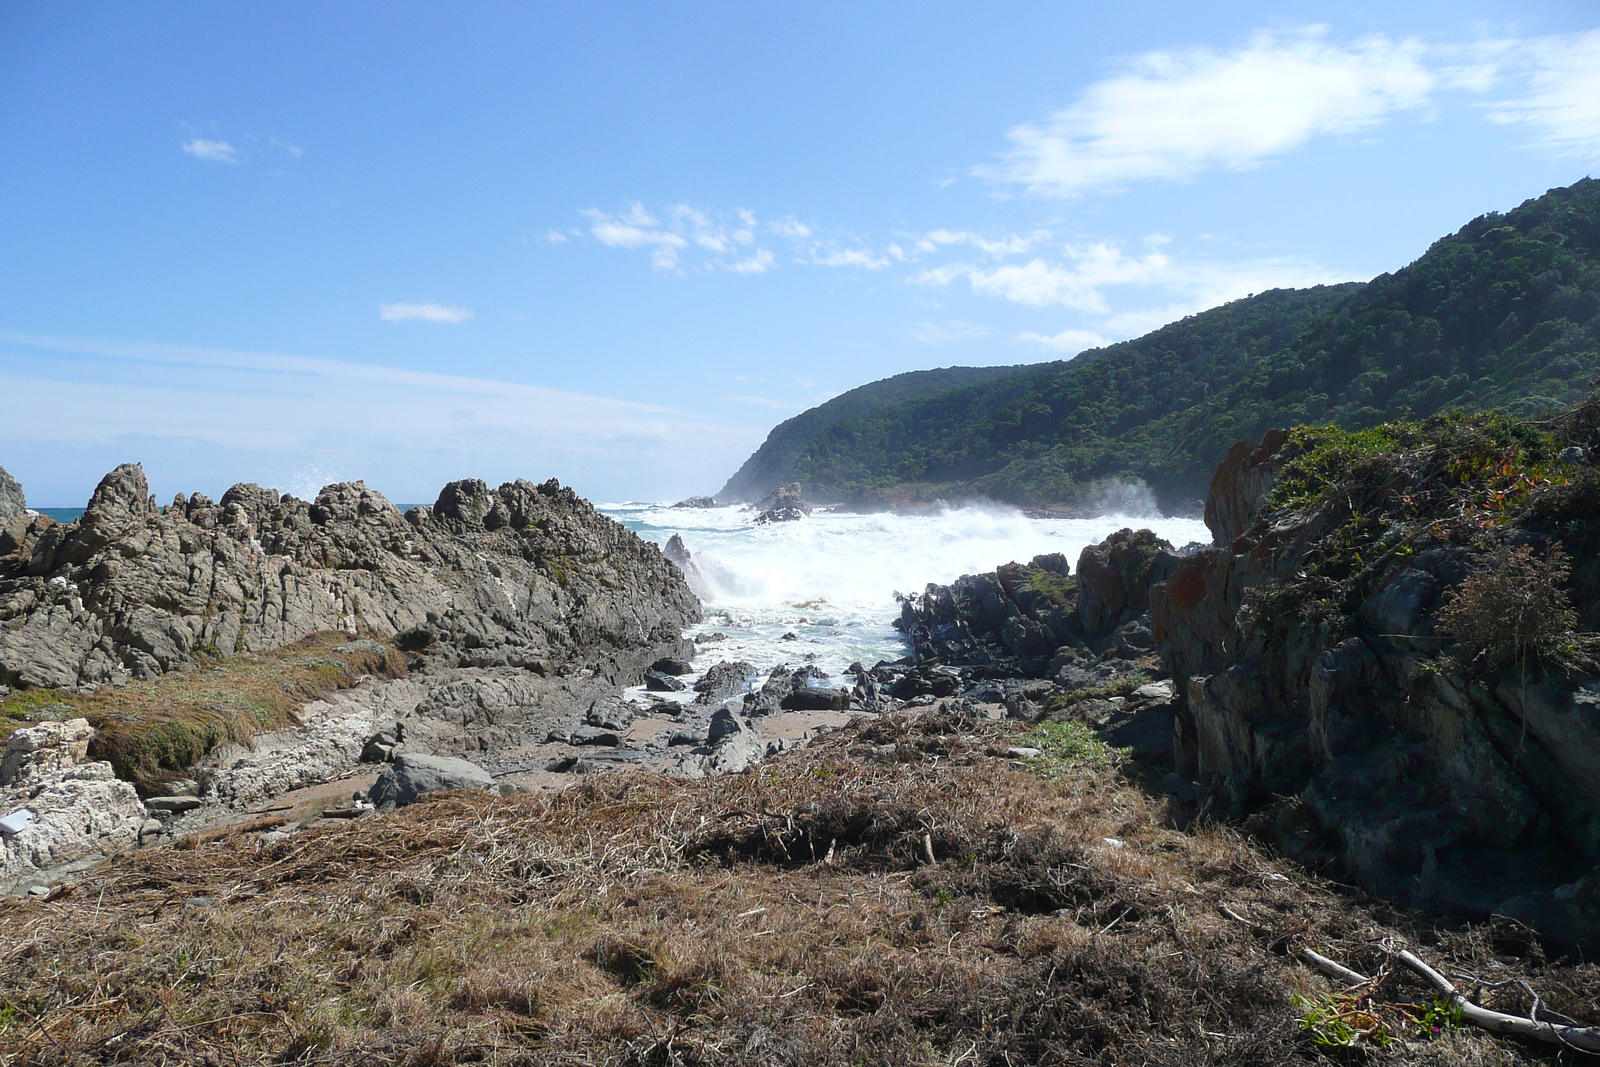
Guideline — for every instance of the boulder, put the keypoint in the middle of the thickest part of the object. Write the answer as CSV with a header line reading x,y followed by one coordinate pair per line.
x,y
656,682
816,699
36,753
411,776
697,502
673,665
723,680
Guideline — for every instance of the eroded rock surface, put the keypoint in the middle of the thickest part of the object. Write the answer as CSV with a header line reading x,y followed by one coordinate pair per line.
x,y
74,807
524,575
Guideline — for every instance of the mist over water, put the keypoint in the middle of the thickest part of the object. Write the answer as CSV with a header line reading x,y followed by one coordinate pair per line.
x,y
830,579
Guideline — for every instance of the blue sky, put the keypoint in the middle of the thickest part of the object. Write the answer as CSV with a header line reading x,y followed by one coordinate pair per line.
x,y
293,243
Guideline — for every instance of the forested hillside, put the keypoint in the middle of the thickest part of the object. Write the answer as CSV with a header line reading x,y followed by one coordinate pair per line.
x,y
1502,314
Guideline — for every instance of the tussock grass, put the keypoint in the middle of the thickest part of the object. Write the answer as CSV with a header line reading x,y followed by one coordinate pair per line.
x,y
787,915
151,731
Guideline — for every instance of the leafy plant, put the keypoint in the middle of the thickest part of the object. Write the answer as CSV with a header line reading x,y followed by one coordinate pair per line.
x,y
1339,1021
1512,605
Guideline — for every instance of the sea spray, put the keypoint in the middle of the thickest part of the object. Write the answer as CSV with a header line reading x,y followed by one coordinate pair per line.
x,y
822,589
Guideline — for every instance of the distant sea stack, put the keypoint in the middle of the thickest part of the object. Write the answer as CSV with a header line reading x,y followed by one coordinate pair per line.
x,y
524,575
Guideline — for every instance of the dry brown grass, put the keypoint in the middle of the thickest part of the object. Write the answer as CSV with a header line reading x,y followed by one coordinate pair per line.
x,y
788,915
152,730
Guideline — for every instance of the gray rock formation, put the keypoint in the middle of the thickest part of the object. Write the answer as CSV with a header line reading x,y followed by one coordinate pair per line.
x,y
12,502
1470,792
524,575
74,808
412,776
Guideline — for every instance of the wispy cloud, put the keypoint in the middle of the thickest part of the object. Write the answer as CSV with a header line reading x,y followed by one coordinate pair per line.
x,y
939,334
293,149
766,402
1067,342
790,227
1561,98
211,151
424,312
1174,113
384,423
850,257
759,263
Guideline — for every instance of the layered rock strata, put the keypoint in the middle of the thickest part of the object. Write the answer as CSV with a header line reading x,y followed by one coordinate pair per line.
x,y
524,575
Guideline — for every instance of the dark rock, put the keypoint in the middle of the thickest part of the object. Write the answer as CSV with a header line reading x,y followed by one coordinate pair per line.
x,y
593,735
611,713
677,553
687,735
783,504
1241,484
411,776
672,665
697,502
656,682
724,680
1115,576
816,699
724,723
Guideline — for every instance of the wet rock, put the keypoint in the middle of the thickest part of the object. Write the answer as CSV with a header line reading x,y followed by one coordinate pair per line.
x,y
784,504
656,682
697,502
672,665
724,680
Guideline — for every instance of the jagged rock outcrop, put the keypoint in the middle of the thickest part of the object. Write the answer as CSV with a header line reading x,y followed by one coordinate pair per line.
x,y
12,503
524,575
698,502
61,806
784,504
1309,662
1032,620
678,553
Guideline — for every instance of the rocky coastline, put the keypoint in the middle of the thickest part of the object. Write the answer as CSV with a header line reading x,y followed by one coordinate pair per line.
x,y
493,631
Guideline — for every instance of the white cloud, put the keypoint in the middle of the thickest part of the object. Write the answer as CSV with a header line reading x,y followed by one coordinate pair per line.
x,y
1561,102
759,263
211,151
686,227
1008,245
1172,114
790,227
554,237
425,312
939,334
850,257
293,149
1067,342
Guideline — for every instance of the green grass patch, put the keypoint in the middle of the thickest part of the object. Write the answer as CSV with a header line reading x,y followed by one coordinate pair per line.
x,y
1067,745
154,730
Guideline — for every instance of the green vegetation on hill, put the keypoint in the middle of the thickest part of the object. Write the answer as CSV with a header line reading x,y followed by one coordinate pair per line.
x,y
1503,315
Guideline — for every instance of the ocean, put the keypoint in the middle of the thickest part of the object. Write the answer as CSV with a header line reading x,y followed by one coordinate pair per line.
x,y
821,590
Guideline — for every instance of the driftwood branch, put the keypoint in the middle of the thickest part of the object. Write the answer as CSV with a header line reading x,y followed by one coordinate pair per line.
x,y
1584,1038
1329,967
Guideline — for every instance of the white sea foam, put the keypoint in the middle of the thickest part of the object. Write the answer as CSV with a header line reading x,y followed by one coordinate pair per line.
x,y
830,579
